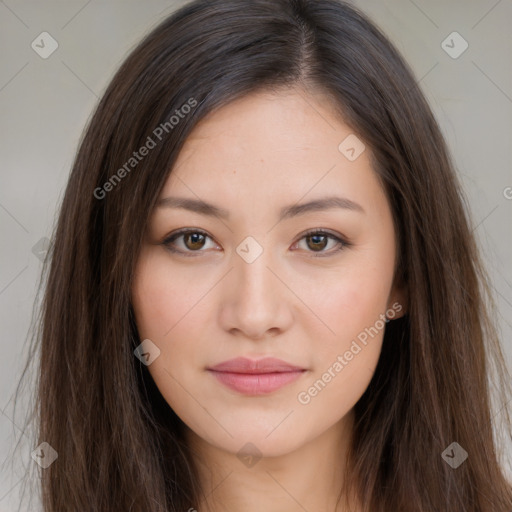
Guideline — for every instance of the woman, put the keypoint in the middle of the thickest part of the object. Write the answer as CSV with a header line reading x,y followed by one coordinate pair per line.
x,y
263,292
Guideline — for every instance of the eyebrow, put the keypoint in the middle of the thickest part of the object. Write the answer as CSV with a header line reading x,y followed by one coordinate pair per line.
x,y
204,208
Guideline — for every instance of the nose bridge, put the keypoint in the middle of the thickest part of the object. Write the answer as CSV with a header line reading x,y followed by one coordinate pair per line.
x,y
254,280
256,303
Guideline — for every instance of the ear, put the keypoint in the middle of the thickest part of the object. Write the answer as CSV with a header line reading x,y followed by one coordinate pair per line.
x,y
398,300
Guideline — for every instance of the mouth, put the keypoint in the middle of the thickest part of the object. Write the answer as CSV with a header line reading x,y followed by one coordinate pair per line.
x,y
258,377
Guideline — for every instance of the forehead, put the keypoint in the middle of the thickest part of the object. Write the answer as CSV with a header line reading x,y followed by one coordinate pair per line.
x,y
267,145
299,119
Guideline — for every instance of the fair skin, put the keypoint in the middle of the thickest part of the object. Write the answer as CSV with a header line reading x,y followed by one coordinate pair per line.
x,y
207,304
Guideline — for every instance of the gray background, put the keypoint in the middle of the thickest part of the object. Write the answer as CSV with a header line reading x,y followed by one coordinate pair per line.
x,y
46,102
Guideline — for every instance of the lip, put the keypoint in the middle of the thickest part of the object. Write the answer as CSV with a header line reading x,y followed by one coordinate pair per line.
x,y
256,377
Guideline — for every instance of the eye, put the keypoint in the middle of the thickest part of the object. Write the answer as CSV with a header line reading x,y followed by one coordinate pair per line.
x,y
193,240
318,240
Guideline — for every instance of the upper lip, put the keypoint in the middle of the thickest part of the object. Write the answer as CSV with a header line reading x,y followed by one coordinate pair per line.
x,y
247,366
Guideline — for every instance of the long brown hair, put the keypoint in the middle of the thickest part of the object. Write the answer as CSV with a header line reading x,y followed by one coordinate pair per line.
x,y
120,446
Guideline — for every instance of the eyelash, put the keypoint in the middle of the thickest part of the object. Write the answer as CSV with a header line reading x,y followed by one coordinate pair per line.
x,y
342,243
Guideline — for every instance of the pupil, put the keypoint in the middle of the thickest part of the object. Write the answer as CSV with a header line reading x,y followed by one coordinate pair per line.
x,y
196,238
315,239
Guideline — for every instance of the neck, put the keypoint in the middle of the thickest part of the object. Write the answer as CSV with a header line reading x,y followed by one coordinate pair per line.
x,y
308,478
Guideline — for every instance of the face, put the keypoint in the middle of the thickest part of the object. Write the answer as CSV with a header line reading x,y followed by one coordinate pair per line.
x,y
271,270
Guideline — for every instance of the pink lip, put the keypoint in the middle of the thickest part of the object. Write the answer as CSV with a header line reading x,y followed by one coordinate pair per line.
x,y
256,377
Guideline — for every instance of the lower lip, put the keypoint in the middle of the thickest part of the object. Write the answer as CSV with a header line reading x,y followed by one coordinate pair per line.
x,y
256,384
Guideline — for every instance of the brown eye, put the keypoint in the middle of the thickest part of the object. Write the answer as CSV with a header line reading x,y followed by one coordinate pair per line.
x,y
323,243
318,242
188,242
194,241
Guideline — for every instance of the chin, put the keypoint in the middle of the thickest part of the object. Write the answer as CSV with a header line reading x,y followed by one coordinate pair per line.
x,y
256,446
247,438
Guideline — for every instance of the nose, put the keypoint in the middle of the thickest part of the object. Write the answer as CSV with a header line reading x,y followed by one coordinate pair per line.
x,y
256,303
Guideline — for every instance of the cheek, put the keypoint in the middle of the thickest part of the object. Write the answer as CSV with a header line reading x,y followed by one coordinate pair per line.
x,y
162,297
344,362
350,303
168,312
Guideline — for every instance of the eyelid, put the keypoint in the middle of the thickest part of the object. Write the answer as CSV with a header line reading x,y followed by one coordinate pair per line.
x,y
176,234
340,239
